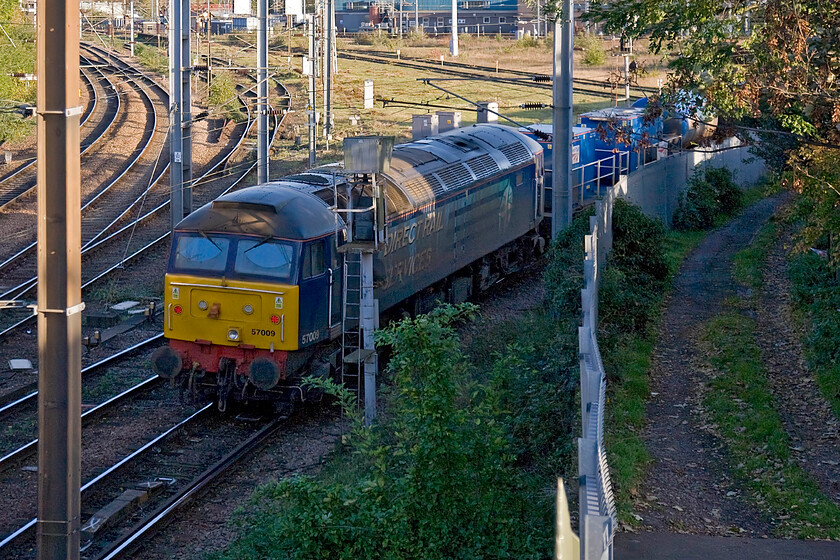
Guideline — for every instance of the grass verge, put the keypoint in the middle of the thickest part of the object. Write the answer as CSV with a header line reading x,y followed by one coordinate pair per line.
x,y
741,406
816,300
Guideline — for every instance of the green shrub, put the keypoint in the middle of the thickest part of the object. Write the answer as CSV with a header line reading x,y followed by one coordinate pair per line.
x,y
527,42
564,272
710,193
593,49
632,284
222,97
435,479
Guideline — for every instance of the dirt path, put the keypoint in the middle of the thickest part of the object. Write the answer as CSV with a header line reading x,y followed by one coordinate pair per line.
x,y
813,428
688,488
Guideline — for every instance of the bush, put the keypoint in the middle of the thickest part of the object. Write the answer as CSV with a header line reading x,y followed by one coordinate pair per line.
x,y
564,272
632,284
436,479
222,96
711,192
527,42
593,49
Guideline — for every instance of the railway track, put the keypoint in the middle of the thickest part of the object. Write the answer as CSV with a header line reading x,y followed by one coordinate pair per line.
x,y
483,73
147,206
172,467
97,118
210,180
385,55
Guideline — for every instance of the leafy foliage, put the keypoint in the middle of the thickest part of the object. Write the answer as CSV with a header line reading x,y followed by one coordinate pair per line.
x,y
768,69
593,49
222,97
816,293
17,55
711,192
436,479
564,272
632,284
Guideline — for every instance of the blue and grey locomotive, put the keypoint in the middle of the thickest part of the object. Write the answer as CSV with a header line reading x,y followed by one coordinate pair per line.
x,y
253,286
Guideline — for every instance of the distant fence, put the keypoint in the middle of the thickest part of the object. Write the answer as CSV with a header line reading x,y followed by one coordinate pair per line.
x,y
656,189
597,504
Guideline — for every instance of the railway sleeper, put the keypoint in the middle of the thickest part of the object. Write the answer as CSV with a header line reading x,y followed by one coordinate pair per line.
x,y
119,508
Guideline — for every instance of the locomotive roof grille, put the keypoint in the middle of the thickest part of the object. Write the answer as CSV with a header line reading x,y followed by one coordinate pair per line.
x,y
516,153
455,176
483,166
237,205
424,189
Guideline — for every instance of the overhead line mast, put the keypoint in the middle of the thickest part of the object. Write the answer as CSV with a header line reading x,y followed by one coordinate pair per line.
x,y
59,281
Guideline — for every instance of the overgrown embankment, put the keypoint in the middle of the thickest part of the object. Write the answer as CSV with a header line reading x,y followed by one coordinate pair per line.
x,y
463,462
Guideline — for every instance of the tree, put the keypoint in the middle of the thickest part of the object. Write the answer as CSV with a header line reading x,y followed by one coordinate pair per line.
x,y
17,56
769,69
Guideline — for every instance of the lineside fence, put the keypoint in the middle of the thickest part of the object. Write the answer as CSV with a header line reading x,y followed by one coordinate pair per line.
x,y
655,189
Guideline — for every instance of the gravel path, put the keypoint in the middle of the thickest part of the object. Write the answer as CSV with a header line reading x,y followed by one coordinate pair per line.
x,y
688,488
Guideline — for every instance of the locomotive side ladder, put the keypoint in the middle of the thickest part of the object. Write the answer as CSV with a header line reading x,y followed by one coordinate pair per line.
x,y
351,325
364,157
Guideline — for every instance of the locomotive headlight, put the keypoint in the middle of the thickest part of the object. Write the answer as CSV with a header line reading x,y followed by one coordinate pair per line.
x,y
233,334
202,305
248,309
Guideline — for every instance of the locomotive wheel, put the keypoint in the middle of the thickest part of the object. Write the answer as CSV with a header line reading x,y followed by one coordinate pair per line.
x,y
225,380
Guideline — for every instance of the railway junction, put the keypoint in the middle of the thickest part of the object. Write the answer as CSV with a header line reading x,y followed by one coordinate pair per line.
x,y
157,456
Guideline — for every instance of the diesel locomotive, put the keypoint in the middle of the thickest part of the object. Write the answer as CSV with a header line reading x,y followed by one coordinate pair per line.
x,y
253,290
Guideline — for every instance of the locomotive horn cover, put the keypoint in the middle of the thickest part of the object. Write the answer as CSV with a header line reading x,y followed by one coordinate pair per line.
x,y
166,362
263,373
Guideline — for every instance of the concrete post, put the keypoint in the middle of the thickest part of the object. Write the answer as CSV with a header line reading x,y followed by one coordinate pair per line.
x,y
453,42
180,144
310,110
562,117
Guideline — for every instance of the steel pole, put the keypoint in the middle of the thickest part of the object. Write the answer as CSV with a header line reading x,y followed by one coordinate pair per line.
x,y
132,28
311,109
209,57
328,72
59,281
176,149
453,42
562,183
186,107
262,91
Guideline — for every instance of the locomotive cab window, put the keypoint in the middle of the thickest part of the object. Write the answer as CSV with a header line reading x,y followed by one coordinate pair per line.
x,y
265,258
313,259
520,179
201,252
